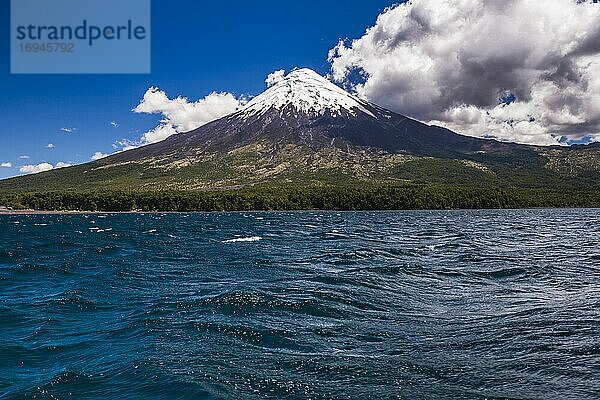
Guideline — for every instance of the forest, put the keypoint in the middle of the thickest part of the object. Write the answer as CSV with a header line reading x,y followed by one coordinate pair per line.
x,y
375,197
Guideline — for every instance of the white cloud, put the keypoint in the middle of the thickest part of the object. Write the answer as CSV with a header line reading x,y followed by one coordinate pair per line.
x,y
98,155
114,124
519,70
126,144
68,130
181,115
24,157
6,165
34,169
50,146
161,132
274,77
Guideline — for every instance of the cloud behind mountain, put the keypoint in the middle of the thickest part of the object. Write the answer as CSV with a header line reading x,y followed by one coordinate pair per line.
x,y
519,70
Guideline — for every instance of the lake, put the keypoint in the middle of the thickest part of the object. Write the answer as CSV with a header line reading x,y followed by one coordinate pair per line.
x,y
319,305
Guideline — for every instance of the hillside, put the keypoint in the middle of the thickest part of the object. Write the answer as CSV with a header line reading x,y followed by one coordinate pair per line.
x,y
306,131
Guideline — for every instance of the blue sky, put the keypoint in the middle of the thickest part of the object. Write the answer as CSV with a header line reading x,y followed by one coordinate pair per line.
x,y
197,47
445,62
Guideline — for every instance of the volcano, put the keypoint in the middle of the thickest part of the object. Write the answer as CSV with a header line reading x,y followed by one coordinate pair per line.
x,y
305,108
305,130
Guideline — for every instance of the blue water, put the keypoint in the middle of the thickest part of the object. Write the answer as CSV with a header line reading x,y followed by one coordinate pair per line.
x,y
307,305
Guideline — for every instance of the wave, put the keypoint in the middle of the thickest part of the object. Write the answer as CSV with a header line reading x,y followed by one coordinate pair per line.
x,y
243,239
324,306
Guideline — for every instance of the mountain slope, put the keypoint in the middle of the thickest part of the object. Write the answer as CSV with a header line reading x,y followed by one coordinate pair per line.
x,y
307,109
306,130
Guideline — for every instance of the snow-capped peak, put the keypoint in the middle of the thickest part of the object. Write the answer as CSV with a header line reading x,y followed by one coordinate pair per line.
x,y
307,92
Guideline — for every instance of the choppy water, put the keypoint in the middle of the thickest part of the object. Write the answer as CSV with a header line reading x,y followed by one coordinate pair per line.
x,y
458,304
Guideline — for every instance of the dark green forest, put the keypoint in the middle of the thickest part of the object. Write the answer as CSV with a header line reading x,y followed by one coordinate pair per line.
x,y
366,197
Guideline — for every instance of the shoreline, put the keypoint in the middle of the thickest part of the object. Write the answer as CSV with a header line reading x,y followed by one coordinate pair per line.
x,y
42,212
79,212
33,212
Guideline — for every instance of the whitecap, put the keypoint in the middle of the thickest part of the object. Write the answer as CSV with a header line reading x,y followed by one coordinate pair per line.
x,y
243,239
151,231
335,234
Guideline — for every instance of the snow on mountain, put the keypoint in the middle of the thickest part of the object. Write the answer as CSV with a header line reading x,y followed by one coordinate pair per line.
x,y
306,92
304,110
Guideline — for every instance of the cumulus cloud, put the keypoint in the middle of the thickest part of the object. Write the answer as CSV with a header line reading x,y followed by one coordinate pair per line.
x,y
161,132
34,169
6,165
126,144
519,70
114,124
23,157
68,130
98,155
180,114
50,146
275,77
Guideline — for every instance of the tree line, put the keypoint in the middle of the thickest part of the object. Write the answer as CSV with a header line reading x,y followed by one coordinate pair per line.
x,y
375,197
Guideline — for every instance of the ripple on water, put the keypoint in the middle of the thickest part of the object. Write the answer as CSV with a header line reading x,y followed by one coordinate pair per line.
x,y
460,304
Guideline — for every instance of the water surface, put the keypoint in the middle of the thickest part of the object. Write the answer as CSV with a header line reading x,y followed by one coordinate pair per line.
x,y
319,305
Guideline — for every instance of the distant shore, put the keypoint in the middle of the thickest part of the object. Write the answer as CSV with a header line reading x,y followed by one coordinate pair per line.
x,y
22,212
8,211
42,212
77,212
